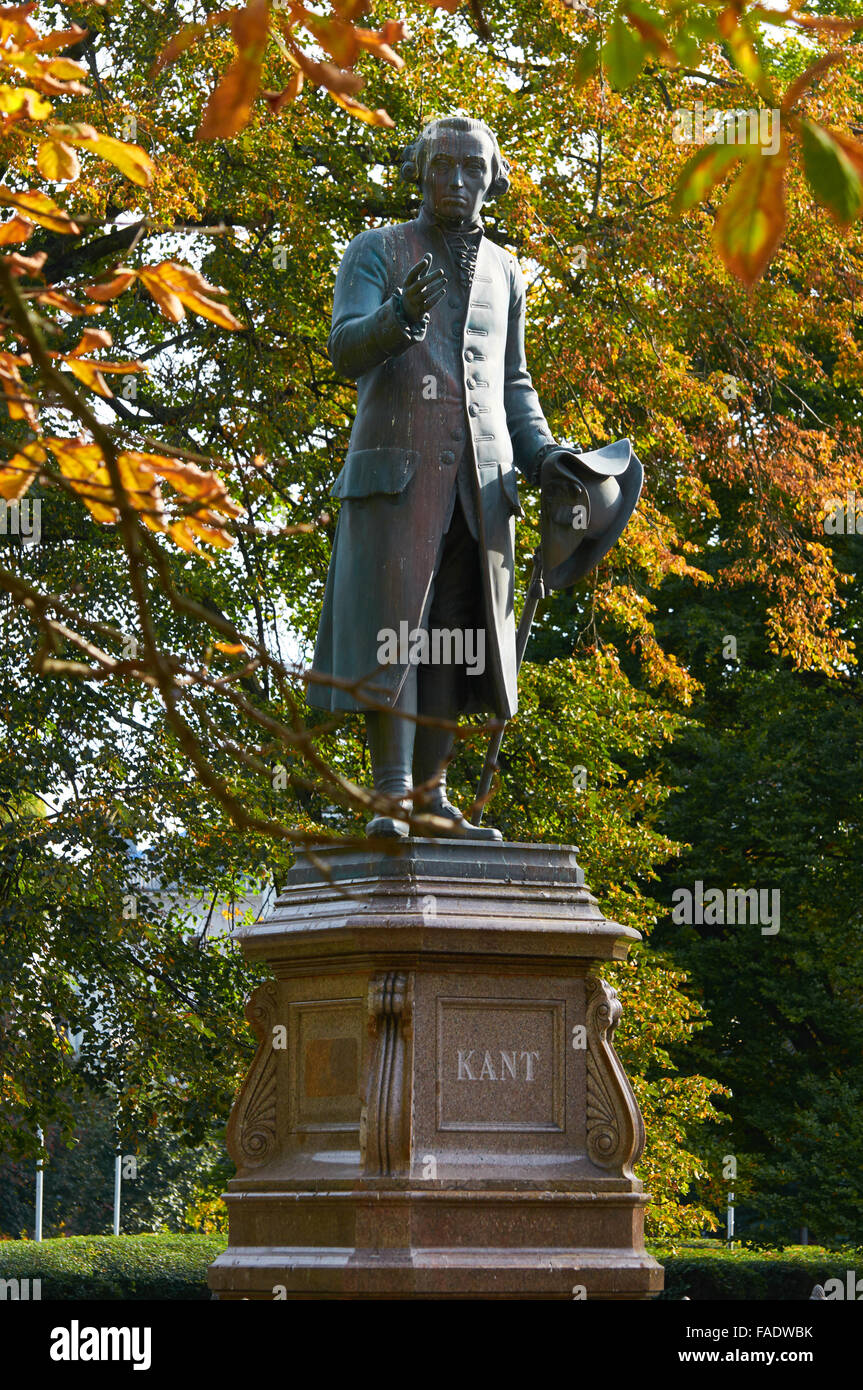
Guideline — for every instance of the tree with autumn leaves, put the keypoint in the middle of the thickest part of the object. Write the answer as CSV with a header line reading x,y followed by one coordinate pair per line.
x,y
700,300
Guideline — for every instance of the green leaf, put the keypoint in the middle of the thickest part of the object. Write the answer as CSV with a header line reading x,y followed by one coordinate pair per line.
x,y
707,167
832,175
647,12
586,63
622,54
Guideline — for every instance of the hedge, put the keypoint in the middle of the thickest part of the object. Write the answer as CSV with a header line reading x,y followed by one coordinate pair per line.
x,y
174,1267
116,1267
709,1271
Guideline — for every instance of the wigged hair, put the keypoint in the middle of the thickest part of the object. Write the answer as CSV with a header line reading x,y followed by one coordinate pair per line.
x,y
414,156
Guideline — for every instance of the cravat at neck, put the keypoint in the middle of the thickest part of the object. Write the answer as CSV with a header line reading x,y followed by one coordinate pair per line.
x,y
463,244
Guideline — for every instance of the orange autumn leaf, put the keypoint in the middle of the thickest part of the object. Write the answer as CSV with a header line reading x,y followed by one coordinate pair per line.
x,y
380,42
83,466
336,37
212,533
751,221
15,230
57,161
110,289
186,530
190,480
169,303
356,108
350,10
178,287
131,160
57,300
61,38
90,375
25,103
26,265
92,339
327,75
18,472
38,207
19,402
182,536
122,368
57,75
230,105
14,23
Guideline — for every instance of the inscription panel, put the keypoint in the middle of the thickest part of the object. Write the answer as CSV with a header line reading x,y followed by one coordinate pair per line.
x,y
326,1048
500,1064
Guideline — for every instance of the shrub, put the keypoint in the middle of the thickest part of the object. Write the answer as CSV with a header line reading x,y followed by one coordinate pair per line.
x,y
122,1267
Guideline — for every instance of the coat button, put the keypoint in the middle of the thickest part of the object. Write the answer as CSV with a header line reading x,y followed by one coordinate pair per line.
x,y
457,330
447,456
473,410
468,354
471,384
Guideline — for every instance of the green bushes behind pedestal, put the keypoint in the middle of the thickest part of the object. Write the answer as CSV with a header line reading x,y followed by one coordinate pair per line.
x,y
710,1272
165,1267
171,1267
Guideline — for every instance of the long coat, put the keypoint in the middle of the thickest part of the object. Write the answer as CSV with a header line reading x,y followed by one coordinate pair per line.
x,y
425,395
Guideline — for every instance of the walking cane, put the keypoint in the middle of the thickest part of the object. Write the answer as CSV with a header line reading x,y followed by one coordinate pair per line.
x,y
535,591
568,562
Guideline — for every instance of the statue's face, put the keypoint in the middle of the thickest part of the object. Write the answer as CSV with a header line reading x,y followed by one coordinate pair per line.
x,y
457,175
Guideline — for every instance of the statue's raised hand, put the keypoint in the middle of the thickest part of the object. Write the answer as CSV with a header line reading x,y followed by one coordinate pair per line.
x,y
423,288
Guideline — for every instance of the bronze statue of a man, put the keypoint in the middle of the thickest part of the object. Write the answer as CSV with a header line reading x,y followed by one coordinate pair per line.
x,y
428,318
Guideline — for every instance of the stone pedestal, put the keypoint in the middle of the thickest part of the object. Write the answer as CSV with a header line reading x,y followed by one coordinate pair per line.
x,y
436,1109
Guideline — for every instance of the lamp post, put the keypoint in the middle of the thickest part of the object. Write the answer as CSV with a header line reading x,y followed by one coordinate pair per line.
x,y
40,1182
118,1174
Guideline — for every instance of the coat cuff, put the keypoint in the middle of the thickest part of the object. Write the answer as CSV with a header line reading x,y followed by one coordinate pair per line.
x,y
417,331
535,473
393,333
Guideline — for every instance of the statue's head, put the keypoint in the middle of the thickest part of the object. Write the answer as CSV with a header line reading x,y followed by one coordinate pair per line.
x,y
457,163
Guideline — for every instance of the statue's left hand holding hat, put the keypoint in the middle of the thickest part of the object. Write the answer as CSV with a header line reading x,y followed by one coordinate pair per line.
x,y
588,497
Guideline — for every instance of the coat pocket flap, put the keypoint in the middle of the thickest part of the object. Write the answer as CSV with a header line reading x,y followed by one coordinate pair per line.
x,y
371,472
510,486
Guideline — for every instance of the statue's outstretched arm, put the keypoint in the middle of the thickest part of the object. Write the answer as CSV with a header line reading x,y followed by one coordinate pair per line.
x,y
367,326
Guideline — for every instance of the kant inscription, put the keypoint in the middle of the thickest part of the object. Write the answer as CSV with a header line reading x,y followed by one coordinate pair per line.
x,y
498,1066
486,1080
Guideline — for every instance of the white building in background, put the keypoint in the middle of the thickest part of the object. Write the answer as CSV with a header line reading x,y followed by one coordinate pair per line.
x,y
208,914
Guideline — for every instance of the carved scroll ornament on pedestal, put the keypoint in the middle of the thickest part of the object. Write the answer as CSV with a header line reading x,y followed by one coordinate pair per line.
x,y
251,1136
615,1129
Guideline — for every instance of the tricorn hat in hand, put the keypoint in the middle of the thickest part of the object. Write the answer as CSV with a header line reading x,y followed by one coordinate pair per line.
x,y
587,499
